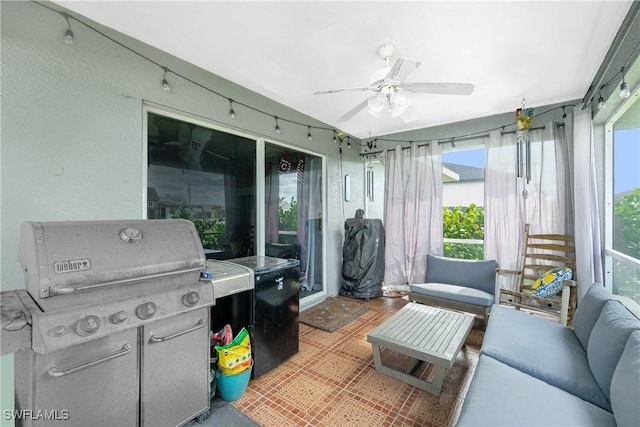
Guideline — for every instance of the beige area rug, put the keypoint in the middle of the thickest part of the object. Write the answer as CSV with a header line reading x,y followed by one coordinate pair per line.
x,y
333,313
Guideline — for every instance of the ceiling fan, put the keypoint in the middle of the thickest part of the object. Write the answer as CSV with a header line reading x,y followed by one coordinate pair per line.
x,y
390,89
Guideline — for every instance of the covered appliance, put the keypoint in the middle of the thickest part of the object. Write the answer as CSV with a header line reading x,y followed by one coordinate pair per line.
x,y
119,318
276,310
362,258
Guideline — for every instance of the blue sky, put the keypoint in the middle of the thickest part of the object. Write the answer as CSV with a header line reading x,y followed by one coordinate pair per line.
x,y
626,159
473,157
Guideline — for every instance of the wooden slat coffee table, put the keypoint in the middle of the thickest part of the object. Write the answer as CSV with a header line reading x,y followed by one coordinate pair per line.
x,y
428,334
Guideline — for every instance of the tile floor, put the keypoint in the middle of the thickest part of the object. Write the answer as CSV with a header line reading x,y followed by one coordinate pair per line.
x,y
332,382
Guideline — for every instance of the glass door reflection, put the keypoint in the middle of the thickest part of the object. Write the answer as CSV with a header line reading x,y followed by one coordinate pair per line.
x,y
293,212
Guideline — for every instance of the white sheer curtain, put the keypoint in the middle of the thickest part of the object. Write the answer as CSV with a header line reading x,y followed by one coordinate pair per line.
x,y
310,221
511,201
413,211
546,203
503,225
579,133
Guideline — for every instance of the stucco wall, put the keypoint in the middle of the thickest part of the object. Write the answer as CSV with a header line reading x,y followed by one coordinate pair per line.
x,y
463,193
72,129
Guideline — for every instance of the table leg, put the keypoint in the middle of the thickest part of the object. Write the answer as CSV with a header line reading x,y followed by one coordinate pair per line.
x,y
434,386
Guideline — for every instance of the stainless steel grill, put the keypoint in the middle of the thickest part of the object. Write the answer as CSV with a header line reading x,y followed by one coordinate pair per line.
x,y
119,317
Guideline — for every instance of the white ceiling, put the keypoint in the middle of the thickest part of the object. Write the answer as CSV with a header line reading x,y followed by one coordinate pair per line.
x,y
544,51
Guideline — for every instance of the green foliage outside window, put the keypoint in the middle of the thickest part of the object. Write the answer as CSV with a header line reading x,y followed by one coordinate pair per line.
x,y
464,223
626,239
627,224
288,221
212,231
288,218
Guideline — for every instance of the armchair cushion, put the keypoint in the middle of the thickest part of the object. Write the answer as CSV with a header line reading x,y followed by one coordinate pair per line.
x,y
455,293
479,275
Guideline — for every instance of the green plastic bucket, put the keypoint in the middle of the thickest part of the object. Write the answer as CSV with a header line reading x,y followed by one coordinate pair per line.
x,y
232,386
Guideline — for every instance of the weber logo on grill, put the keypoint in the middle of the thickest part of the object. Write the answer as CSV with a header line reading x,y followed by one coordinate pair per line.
x,y
72,265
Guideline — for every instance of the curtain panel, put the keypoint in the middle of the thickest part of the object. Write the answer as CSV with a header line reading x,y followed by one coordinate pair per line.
x,y
585,199
540,199
413,211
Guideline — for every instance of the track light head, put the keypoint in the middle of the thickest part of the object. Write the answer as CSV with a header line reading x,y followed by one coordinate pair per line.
x,y
232,114
68,34
624,86
68,37
165,83
624,90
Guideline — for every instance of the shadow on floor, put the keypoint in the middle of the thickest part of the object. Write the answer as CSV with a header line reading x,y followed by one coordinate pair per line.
x,y
224,414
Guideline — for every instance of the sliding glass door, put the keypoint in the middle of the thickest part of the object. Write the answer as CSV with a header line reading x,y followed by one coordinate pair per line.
x,y
293,212
209,176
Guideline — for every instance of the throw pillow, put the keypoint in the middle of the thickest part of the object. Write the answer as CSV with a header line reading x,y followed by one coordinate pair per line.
x,y
550,283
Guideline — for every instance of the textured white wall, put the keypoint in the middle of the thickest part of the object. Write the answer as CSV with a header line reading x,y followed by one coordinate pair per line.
x,y
72,129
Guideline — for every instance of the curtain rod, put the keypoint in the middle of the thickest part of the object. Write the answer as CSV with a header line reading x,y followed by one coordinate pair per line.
x,y
462,138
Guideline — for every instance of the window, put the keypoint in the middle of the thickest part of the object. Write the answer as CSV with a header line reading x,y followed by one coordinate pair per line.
x,y
206,176
463,203
622,192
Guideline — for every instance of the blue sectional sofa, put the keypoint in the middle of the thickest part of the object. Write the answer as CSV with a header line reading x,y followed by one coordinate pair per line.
x,y
536,372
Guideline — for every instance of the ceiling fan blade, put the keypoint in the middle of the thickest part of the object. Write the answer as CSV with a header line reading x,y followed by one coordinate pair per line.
x,y
349,89
401,69
354,111
441,88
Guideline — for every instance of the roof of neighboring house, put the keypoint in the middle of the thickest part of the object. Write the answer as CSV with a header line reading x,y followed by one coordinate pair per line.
x,y
152,194
466,173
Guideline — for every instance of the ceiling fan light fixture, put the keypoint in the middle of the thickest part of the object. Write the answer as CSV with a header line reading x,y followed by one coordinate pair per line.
x,y
376,103
399,104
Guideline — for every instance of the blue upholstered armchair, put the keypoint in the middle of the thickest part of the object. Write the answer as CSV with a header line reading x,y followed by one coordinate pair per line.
x,y
457,284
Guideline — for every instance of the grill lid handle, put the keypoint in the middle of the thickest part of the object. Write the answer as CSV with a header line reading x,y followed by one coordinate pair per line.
x,y
60,289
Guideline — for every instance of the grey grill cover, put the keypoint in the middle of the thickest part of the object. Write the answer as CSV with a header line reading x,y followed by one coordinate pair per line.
x,y
362,258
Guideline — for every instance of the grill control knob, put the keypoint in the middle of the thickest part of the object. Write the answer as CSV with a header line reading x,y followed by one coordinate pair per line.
x,y
146,311
190,299
88,326
119,317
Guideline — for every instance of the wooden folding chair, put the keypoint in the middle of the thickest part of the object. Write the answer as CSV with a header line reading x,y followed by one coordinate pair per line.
x,y
540,253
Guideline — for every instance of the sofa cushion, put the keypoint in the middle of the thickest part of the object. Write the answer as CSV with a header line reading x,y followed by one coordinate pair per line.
x,y
588,311
455,293
607,341
500,395
461,272
625,384
544,349
551,282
